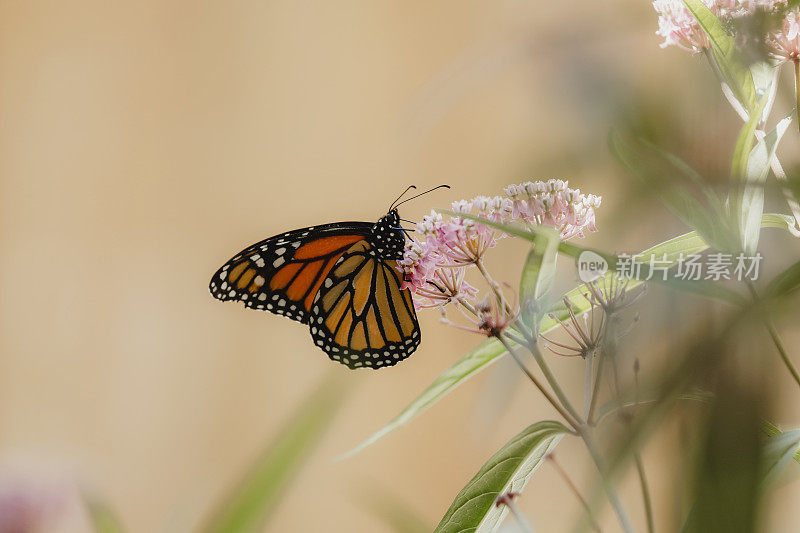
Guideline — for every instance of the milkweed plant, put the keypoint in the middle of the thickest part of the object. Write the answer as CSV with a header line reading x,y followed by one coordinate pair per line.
x,y
746,44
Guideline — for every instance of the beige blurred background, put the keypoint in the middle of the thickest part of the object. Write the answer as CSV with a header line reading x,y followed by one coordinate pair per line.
x,y
144,143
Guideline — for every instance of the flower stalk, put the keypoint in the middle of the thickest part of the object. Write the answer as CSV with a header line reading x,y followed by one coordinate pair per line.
x,y
551,458
507,500
796,62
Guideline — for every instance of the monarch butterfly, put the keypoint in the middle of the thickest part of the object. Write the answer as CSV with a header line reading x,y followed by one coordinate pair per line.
x,y
341,279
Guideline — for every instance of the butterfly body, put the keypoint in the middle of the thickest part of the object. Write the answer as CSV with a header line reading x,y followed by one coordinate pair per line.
x,y
340,279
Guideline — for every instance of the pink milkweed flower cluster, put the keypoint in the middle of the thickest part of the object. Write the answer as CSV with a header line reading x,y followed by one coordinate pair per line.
x,y
435,260
553,203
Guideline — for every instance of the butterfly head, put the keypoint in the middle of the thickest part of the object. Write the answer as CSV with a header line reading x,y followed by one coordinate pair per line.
x,y
386,236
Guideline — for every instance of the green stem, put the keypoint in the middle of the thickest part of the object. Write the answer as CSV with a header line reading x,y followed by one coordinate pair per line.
x,y
501,299
588,437
797,88
587,384
775,338
648,504
784,356
553,382
596,392
575,491
567,416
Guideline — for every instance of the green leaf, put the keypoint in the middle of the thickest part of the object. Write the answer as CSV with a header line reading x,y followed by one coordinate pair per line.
x,y
692,177
755,178
733,69
537,277
102,517
778,452
739,169
784,283
671,252
744,142
671,255
508,470
530,234
780,221
772,430
491,350
613,406
247,507
476,360
657,171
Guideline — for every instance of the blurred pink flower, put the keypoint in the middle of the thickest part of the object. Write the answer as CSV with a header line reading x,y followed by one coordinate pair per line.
x,y
678,27
27,506
784,44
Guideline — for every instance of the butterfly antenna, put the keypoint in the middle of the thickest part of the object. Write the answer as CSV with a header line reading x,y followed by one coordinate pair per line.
x,y
403,194
404,230
420,194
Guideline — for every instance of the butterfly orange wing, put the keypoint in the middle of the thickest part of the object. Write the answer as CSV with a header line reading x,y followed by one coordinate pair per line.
x,y
283,274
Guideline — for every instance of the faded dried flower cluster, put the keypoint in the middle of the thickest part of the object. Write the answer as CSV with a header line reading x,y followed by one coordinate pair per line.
x,y
436,259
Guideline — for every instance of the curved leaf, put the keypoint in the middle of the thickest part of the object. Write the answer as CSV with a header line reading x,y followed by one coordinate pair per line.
x,y
772,430
491,350
250,502
508,470
537,278
744,143
755,177
781,221
736,74
784,283
778,452
615,405
466,367
656,169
